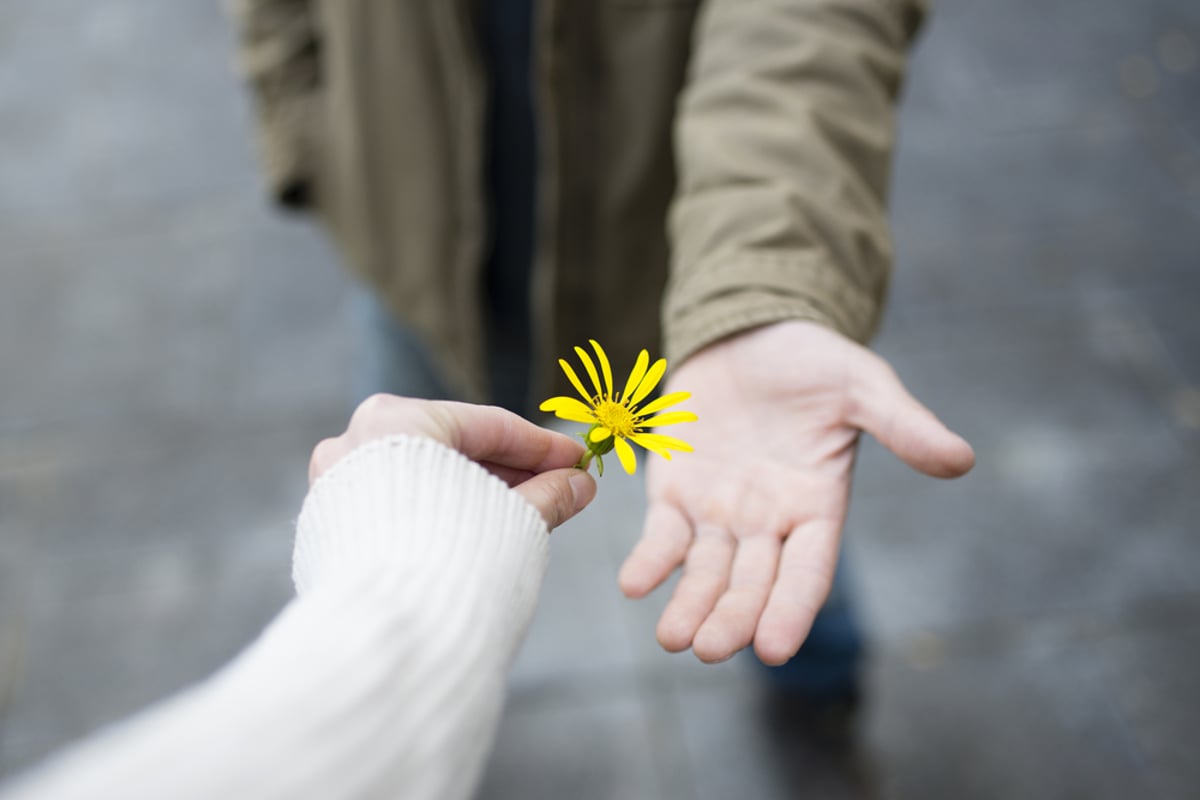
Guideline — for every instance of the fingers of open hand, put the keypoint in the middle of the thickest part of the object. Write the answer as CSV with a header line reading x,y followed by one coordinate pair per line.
x,y
732,624
663,546
802,584
559,494
705,578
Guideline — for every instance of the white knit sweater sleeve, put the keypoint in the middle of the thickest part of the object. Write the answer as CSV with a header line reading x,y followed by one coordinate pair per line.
x,y
416,574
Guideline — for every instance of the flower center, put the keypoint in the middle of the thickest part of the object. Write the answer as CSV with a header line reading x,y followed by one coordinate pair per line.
x,y
616,417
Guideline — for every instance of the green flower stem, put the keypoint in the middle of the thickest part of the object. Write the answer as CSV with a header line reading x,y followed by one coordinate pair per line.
x,y
594,450
586,462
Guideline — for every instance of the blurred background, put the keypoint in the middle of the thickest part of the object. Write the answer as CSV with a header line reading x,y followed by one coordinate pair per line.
x,y
171,349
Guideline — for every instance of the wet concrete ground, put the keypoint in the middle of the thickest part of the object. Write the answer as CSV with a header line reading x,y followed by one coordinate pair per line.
x,y
170,350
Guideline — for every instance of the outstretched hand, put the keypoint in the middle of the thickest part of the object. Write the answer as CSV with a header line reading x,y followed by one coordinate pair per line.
x,y
755,515
537,463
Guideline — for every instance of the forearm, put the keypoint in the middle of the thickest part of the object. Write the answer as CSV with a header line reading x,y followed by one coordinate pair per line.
x,y
388,669
784,142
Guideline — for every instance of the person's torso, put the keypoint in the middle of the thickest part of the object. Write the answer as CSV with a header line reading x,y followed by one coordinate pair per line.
x,y
405,175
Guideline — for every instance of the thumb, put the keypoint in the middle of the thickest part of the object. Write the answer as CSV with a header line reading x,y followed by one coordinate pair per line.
x,y
559,494
882,407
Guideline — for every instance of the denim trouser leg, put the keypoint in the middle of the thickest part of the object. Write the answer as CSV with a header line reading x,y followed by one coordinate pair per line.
x,y
389,357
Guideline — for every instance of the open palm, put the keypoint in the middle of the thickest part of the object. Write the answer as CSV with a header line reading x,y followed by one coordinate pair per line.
x,y
755,515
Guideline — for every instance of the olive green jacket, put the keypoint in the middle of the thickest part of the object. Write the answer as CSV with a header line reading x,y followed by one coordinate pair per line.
x,y
723,164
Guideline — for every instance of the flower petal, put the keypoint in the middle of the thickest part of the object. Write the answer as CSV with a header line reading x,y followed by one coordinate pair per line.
x,y
569,408
625,453
605,368
635,377
574,379
663,441
663,402
669,418
591,370
639,439
653,376
599,434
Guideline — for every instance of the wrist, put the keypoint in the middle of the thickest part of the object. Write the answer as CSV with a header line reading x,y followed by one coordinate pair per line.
x,y
725,296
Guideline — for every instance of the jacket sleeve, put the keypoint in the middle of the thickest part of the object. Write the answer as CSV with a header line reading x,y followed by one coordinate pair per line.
x,y
278,55
783,140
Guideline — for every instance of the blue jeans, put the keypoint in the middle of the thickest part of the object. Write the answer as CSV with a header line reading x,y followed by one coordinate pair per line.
x,y
389,357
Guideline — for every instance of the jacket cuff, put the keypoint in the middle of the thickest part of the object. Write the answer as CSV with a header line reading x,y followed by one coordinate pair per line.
x,y
288,144
736,293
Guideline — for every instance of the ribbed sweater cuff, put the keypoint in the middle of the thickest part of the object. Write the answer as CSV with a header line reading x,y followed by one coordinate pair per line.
x,y
411,519
417,574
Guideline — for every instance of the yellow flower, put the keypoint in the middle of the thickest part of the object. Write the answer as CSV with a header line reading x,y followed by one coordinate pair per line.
x,y
616,419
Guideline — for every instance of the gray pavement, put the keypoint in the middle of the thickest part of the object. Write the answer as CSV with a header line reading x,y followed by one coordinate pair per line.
x,y
171,349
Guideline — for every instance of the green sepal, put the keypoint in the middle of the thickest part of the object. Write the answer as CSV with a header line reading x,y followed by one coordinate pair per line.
x,y
600,448
594,451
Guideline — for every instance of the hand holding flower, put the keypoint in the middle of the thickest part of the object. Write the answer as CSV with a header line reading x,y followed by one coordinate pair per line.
x,y
532,460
